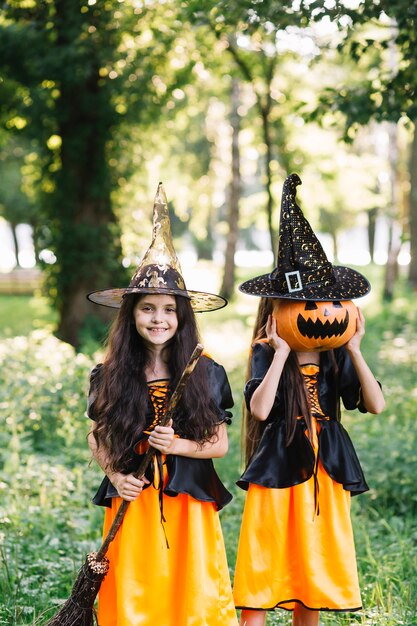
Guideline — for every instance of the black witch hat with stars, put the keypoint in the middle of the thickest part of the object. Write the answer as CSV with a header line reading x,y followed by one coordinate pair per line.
x,y
303,271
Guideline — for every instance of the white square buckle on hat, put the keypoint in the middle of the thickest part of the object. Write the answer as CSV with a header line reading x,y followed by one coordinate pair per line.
x,y
294,282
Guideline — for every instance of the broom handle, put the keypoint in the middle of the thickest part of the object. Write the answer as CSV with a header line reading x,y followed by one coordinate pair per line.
x,y
148,456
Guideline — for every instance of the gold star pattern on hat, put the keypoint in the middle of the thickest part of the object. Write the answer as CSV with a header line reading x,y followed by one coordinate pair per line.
x,y
303,271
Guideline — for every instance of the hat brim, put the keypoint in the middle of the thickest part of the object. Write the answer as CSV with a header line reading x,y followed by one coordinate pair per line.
x,y
201,301
349,284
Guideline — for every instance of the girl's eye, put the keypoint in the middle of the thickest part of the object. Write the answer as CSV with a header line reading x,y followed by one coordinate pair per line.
x,y
171,310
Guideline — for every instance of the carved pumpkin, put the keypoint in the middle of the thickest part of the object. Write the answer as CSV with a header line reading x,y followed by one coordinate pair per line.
x,y
306,325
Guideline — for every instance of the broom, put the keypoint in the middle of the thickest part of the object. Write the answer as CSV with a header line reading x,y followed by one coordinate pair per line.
x,y
78,610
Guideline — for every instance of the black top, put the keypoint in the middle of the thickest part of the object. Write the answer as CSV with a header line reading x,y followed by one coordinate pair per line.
x,y
276,465
195,477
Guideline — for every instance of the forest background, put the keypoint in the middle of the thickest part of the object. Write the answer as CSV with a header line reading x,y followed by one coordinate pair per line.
x,y
99,100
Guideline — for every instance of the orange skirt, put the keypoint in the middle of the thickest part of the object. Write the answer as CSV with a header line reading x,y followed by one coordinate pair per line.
x,y
288,554
149,584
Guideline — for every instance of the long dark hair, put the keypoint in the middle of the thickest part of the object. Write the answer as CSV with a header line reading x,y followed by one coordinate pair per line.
x,y
295,394
122,399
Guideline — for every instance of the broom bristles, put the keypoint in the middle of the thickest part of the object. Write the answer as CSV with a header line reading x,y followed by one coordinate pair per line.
x,y
79,610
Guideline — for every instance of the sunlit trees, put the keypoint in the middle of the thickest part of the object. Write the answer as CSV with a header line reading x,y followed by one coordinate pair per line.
x,y
381,38
65,108
90,67
250,32
112,92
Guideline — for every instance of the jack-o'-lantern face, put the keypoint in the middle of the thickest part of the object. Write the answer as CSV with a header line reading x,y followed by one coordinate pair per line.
x,y
306,325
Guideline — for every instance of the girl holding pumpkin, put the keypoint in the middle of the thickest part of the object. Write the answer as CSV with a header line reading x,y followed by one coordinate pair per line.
x,y
296,548
167,562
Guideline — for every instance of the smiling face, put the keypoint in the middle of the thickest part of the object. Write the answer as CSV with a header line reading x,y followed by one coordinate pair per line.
x,y
156,319
309,325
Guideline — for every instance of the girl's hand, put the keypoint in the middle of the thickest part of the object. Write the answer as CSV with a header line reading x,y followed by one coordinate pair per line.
x,y
128,487
354,343
274,340
162,438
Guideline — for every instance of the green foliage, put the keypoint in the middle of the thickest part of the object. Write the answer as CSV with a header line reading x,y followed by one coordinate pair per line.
x,y
380,38
43,540
391,339
44,465
42,385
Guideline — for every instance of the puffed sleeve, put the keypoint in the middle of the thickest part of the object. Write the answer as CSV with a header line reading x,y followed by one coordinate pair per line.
x,y
92,393
220,390
260,362
349,385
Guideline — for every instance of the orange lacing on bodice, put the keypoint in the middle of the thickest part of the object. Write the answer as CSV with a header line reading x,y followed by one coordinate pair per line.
x,y
310,372
158,394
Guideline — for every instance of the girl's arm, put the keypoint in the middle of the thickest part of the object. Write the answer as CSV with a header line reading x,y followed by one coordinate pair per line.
x,y
163,439
372,395
263,397
128,487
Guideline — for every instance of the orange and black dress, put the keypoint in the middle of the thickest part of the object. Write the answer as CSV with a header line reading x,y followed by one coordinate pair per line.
x,y
168,562
296,541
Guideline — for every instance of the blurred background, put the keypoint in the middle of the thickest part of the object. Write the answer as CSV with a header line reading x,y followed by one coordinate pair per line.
x,y
102,99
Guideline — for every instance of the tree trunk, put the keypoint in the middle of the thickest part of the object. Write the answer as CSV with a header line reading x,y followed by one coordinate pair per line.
x,y
85,234
266,126
333,235
205,247
88,247
35,238
372,213
75,311
264,105
228,283
412,275
15,243
391,269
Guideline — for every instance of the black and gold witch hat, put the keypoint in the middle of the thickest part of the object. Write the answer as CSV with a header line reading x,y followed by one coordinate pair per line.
x,y
159,271
303,271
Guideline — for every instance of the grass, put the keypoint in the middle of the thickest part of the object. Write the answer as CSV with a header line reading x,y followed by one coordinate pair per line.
x,y
21,314
47,523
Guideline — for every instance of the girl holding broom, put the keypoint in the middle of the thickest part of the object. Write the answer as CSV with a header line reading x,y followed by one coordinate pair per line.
x,y
296,549
167,562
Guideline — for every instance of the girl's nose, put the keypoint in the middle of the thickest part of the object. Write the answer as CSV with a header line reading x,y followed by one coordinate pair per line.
x,y
156,317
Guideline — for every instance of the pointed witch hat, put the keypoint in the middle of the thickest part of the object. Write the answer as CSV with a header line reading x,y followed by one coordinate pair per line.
x,y
303,271
159,271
